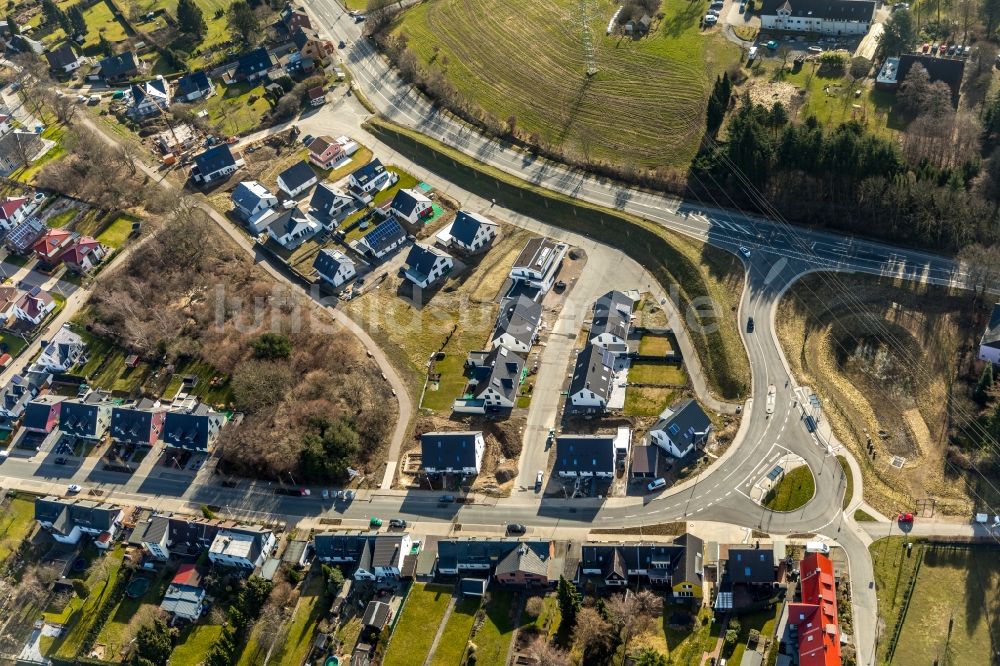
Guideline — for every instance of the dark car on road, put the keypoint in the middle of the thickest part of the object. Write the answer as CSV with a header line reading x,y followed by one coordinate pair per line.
x,y
516,528
750,325
397,524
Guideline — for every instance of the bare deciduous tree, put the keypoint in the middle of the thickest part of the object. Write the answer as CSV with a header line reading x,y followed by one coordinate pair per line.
x,y
545,653
591,631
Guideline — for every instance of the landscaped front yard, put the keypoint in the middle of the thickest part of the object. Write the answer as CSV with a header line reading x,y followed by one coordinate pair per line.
x,y
414,633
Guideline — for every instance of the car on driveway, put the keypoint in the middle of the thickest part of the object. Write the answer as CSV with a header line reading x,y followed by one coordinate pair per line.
x,y
752,53
815,49
326,494
516,528
710,19
397,524
772,45
745,251
74,488
658,484
926,47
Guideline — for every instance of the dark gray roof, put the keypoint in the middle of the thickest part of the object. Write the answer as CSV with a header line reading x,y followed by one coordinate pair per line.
x,y
61,57
131,424
36,413
681,560
501,370
157,528
750,565
457,553
585,453
255,62
840,10
387,550
947,70
369,171
612,313
592,372
297,175
342,545
287,221
323,199
15,395
192,83
519,317
405,201
421,258
64,514
376,615
443,450
81,418
384,235
466,225
644,459
140,90
328,262
118,66
214,159
523,558
991,338
687,424
194,429
248,194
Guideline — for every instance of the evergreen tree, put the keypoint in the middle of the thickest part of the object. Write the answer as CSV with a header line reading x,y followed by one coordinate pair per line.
x,y
105,47
243,21
189,18
77,21
982,391
569,601
12,25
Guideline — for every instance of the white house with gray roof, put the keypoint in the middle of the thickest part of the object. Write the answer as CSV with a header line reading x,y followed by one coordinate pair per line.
x,y
496,378
681,428
469,232
593,373
296,179
383,239
68,520
452,452
291,228
334,267
411,205
612,320
517,324
426,265
251,198
244,548
329,206
62,352
989,345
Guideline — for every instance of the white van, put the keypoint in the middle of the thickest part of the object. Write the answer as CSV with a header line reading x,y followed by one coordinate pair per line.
x,y
818,547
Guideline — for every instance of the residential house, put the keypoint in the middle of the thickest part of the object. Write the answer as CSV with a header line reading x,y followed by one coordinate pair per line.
x,y
375,556
245,548
427,265
334,267
140,424
13,210
681,428
150,98
62,352
452,452
294,18
585,456
165,536
6,122
8,299
751,567
193,87
185,597
329,206
14,398
469,231
517,325
593,374
527,563
296,179
826,17
326,152
253,65
214,164
41,414
83,255
989,344
383,239
250,198
17,149
496,378
677,566
816,615
50,246
311,46
411,206
611,323
87,418
194,428
949,71
537,264
68,520
34,306
24,234
291,227
364,183
117,68
64,59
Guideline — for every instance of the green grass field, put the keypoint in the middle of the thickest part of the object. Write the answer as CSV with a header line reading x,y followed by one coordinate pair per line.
x,y
106,369
455,637
414,633
645,105
130,614
194,643
232,111
79,614
311,607
116,233
493,638
647,400
100,21
793,491
659,374
16,523
655,345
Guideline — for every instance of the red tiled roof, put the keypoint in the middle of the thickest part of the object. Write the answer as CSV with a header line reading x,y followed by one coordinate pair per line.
x,y
33,305
816,615
187,574
76,252
52,240
11,205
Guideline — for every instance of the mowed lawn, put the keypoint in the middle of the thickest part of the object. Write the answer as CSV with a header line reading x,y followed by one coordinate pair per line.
x,y
455,636
954,604
645,105
793,491
647,400
655,345
16,522
194,644
657,374
415,631
493,638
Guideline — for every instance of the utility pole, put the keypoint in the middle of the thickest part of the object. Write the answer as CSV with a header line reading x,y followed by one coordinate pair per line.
x,y
588,40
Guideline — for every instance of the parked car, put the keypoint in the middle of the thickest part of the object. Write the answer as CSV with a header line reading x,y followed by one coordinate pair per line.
x,y
349,495
745,251
951,49
905,518
74,488
375,523
815,49
446,499
934,48
397,524
710,19
772,45
713,12
925,48
817,547
658,484
942,48
538,480
516,528
326,494
752,53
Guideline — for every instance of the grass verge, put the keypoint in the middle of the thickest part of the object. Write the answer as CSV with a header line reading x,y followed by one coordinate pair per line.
x,y
793,491
849,491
